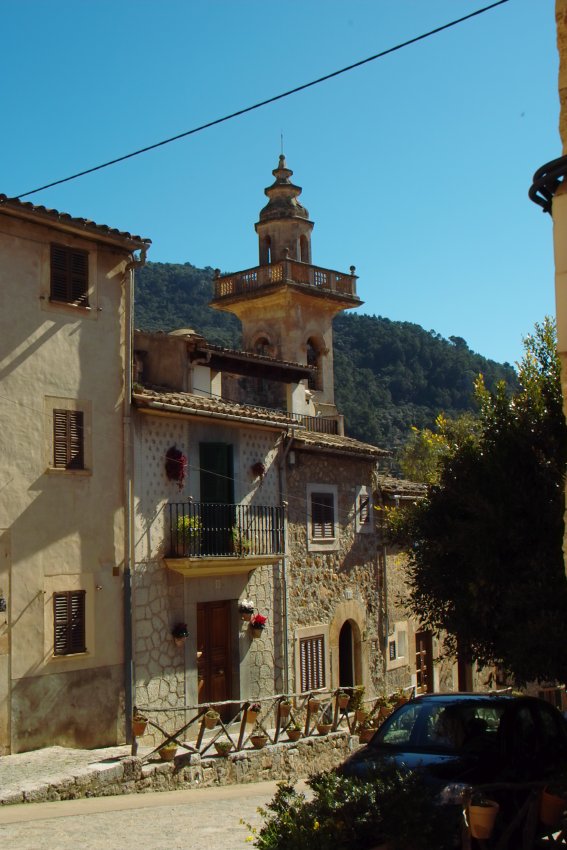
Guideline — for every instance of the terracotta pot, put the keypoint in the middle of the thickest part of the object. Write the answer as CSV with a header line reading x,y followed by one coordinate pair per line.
x,y
365,735
481,819
284,709
324,728
384,711
294,734
167,753
343,700
139,727
179,641
360,715
246,617
256,633
223,748
314,705
251,715
259,741
551,808
211,722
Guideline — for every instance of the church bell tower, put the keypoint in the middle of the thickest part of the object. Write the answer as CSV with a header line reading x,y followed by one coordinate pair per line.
x,y
286,304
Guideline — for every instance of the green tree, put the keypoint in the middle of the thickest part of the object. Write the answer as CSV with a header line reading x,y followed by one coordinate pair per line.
x,y
486,559
421,457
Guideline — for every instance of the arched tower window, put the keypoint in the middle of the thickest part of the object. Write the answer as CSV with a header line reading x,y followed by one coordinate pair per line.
x,y
262,346
315,381
268,250
304,249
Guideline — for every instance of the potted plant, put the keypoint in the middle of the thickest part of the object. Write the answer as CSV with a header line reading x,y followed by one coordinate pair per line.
x,y
189,529
294,731
240,540
553,800
139,723
284,708
211,717
258,738
257,625
314,704
343,700
360,715
481,814
253,711
324,728
167,752
176,466
180,633
223,747
357,697
366,731
258,469
246,609
385,707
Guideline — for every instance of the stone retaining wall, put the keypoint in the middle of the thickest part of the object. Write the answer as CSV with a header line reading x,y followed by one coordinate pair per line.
x,y
285,761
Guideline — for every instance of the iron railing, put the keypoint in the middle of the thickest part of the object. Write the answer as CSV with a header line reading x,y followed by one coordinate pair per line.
x,y
205,529
286,271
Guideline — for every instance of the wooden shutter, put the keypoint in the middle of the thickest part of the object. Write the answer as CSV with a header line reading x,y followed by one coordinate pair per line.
x,y
69,622
312,662
69,275
323,514
68,439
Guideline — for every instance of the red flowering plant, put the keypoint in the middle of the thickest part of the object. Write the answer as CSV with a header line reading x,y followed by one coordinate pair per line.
x,y
176,466
258,621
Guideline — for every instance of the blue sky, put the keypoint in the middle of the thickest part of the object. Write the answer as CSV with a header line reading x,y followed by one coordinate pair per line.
x,y
415,168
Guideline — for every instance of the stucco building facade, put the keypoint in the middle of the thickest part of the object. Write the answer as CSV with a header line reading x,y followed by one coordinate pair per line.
x,y
65,288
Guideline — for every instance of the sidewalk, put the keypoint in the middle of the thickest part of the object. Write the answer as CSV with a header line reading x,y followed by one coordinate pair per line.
x,y
41,775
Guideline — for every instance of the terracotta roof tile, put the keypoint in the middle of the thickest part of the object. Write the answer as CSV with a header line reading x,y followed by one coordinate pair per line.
x,y
338,443
84,224
190,404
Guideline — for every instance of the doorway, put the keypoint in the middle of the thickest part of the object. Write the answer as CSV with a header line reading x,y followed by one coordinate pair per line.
x,y
214,673
346,656
424,662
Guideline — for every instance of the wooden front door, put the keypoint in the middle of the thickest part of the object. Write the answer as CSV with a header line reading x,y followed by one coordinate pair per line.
x,y
424,662
213,652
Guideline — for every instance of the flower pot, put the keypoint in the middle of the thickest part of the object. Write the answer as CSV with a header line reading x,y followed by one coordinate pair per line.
x,y
384,712
179,641
139,726
223,748
360,715
343,700
551,807
251,715
168,752
210,721
259,741
314,704
324,728
246,616
256,633
481,819
365,735
284,709
294,734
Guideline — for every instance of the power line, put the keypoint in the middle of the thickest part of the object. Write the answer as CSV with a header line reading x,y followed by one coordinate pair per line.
x,y
264,102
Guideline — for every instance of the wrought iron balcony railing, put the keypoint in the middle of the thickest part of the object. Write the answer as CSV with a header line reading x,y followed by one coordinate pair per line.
x,y
204,529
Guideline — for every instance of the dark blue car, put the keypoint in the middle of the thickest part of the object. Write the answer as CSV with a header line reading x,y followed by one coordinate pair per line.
x,y
461,740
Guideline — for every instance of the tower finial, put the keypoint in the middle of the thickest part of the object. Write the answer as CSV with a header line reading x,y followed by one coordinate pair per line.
x,y
281,137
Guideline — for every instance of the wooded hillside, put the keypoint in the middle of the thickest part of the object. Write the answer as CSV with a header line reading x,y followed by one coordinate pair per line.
x,y
388,375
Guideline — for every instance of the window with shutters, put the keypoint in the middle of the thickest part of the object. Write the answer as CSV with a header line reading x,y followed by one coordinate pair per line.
x,y
69,622
364,518
69,278
68,439
322,515
312,662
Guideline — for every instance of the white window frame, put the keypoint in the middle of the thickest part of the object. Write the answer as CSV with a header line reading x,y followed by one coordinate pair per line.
x,y
322,544
399,635
364,491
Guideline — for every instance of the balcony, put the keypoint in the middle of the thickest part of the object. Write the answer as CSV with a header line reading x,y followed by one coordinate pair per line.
x,y
291,272
209,539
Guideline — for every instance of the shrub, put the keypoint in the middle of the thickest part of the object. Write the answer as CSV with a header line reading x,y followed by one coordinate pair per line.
x,y
347,813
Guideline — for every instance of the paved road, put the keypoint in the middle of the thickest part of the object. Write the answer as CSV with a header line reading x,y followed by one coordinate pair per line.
x,y
204,818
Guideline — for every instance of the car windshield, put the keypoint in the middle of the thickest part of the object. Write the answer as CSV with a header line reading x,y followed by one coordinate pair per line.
x,y
450,727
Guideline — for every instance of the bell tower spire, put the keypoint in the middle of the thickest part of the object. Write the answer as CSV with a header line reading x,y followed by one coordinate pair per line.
x,y
284,222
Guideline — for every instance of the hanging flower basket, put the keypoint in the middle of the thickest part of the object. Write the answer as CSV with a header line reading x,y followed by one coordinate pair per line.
x,y
139,724
314,705
180,633
258,469
343,700
176,466
284,708
481,818
257,625
252,712
246,609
